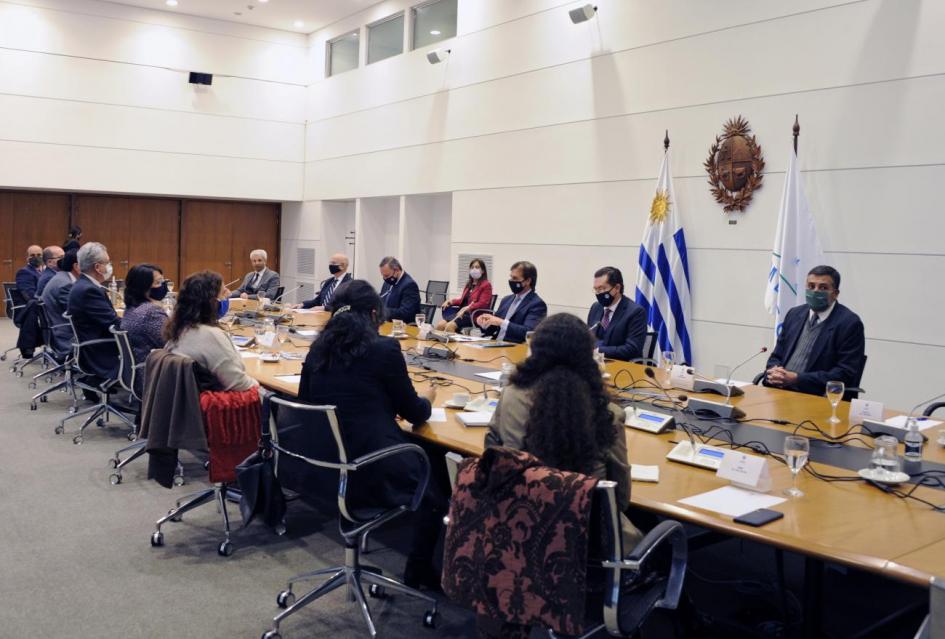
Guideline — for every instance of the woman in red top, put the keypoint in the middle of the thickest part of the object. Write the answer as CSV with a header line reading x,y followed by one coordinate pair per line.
x,y
477,294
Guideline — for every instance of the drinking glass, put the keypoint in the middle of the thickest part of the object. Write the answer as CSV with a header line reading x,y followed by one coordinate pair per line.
x,y
834,395
796,451
601,360
669,358
398,327
420,318
884,461
282,334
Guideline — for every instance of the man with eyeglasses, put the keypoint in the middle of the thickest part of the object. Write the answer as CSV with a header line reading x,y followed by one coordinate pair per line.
x,y
617,322
92,311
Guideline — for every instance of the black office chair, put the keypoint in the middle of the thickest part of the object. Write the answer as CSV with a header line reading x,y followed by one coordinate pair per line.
x,y
495,298
279,293
61,359
428,310
130,376
13,303
101,411
931,408
649,350
293,420
436,292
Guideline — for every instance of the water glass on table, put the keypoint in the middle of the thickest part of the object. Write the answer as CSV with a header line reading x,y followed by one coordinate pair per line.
x,y
420,319
796,452
834,395
668,359
884,462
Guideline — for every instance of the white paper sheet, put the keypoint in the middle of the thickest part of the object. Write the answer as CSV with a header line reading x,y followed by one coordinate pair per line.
x,y
732,501
291,379
899,421
468,338
305,311
639,472
437,415
734,382
493,375
249,355
475,419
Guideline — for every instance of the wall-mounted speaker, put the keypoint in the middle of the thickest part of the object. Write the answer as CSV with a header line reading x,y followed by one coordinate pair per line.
x,y
201,78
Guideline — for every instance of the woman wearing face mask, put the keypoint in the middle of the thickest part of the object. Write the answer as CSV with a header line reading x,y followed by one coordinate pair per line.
x,y
194,331
144,317
477,294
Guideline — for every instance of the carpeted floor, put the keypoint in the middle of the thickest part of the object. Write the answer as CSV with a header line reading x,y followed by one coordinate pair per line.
x,y
75,557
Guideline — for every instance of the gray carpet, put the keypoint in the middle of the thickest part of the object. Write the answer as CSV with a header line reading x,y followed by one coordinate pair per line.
x,y
75,557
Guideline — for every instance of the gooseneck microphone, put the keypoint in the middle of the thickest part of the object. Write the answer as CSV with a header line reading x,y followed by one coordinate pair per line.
x,y
679,399
728,380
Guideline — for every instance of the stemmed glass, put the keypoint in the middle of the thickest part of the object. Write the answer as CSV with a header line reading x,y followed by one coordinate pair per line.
x,y
834,394
669,358
796,451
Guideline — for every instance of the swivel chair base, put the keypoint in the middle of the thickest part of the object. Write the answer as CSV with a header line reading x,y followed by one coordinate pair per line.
x,y
220,493
100,413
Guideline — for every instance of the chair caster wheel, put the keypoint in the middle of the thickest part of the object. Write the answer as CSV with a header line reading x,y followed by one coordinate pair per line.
x,y
113,462
100,422
272,634
19,373
114,479
77,439
44,399
429,618
132,436
157,539
225,549
280,529
59,430
3,358
31,385
33,406
178,480
72,410
375,591
285,599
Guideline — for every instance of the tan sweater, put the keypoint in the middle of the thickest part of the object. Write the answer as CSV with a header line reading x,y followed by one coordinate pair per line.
x,y
211,347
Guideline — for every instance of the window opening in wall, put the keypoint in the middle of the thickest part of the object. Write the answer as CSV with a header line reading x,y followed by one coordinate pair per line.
x,y
433,21
385,38
342,54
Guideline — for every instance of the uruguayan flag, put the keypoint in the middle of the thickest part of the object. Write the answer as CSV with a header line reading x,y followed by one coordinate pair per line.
x,y
663,279
796,249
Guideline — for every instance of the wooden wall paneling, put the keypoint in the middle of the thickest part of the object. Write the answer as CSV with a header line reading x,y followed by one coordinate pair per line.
x,y
206,239
8,253
105,219
38,218
155,234
255,226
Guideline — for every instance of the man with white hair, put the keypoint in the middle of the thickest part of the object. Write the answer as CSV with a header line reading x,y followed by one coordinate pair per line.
x,y
260,282
92,312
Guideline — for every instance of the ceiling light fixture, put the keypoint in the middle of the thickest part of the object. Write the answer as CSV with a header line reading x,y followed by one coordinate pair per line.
x,y
299,24
582,14
435,32
170,3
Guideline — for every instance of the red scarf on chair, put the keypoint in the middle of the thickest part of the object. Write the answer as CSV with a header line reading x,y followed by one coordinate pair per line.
x,y
233,423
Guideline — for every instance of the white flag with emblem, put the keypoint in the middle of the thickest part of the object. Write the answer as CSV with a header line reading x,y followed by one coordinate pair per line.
x,y
796,249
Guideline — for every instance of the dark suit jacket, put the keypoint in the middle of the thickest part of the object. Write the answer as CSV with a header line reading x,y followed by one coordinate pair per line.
x,y
47,274
402,300
56,299
527,316
27,278
317,300
626,332
838,353
369,394
93,314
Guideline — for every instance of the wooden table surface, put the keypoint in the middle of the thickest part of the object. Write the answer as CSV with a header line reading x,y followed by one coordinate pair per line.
x,y
852,523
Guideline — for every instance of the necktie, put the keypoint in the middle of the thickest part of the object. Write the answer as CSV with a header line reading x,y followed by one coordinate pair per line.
x,y
512,308
605,322
814,320
329,293
255,283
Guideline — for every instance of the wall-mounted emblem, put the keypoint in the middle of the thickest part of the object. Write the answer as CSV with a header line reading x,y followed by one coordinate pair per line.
x,y
735,166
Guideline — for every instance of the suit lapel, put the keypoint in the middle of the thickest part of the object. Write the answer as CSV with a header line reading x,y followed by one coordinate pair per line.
x,y
823,338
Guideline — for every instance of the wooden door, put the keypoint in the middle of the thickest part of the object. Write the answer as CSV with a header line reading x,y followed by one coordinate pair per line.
x,y
105,220
7,241
255,226
206,239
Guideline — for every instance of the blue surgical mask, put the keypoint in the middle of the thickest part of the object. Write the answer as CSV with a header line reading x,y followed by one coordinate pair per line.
x,y
223,307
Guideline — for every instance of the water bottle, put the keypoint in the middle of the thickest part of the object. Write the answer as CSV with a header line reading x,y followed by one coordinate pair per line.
x,y
113,292
913,442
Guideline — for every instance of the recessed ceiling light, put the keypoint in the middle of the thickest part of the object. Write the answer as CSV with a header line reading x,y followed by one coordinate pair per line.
x,y
264,1
299,24
434,32
170,3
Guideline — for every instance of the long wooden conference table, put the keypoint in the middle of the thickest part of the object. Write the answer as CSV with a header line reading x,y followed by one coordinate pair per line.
x,y
845,522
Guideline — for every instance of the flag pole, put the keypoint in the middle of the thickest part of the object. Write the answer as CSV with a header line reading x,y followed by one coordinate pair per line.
x,y
666,142
797,132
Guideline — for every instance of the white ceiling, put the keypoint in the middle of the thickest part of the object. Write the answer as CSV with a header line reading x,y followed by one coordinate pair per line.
x,y
274,14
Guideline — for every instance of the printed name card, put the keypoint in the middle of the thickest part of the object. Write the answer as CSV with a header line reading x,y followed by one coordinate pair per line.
x,y
681,377
746,471
861,409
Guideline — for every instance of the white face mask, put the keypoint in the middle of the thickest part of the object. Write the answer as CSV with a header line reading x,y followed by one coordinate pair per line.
x,y
475,273
107,275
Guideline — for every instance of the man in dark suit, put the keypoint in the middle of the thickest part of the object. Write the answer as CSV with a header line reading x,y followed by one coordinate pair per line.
x,y
820,341
520,312
338,267
400,293
56,300
27,277
618,323
51,257
260,282
92,312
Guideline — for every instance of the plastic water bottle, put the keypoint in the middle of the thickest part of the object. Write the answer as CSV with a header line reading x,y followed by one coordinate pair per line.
x,y
113,292
913,442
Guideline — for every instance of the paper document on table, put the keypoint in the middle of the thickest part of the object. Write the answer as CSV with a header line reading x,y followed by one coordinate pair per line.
x,y
469,338
437,415
732,501
289,379
899,421
475,419
493,375
248,354
733,382
639,472
305,311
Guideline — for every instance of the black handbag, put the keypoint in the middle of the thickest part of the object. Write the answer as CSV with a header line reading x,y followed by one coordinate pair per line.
x,y
261,492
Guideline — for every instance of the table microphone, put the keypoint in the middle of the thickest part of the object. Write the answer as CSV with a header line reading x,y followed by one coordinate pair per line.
x,y
728,380
674,400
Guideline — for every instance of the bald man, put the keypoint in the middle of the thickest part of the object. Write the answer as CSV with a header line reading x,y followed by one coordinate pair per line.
x,y
338,267
51,257
27,278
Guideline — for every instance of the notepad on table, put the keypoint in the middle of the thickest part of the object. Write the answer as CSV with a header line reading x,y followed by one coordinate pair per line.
x,y
493,375
639,472
481,418
289,379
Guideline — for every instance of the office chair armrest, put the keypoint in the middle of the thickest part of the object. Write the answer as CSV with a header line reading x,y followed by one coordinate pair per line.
x,y
59,325
759,378
665,532
931,408
391,451
94,341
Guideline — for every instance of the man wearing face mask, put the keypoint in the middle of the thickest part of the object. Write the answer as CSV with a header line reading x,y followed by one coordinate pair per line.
x,y
400,292
27,278
520,312
820,341
51,257
618,323
93,313
338,267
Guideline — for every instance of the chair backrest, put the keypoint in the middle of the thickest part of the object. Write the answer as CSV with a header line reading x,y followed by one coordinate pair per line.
x,y
436,291
495,298
11,298
428,310
279,292
649,344
127,367
76,346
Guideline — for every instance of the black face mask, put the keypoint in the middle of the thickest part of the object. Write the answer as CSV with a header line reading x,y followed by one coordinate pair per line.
x,y
391,280
35,262
605,299
158,293
334,269
517,287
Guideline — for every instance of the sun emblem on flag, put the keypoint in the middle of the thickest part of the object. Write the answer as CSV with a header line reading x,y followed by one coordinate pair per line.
x,y
660,207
